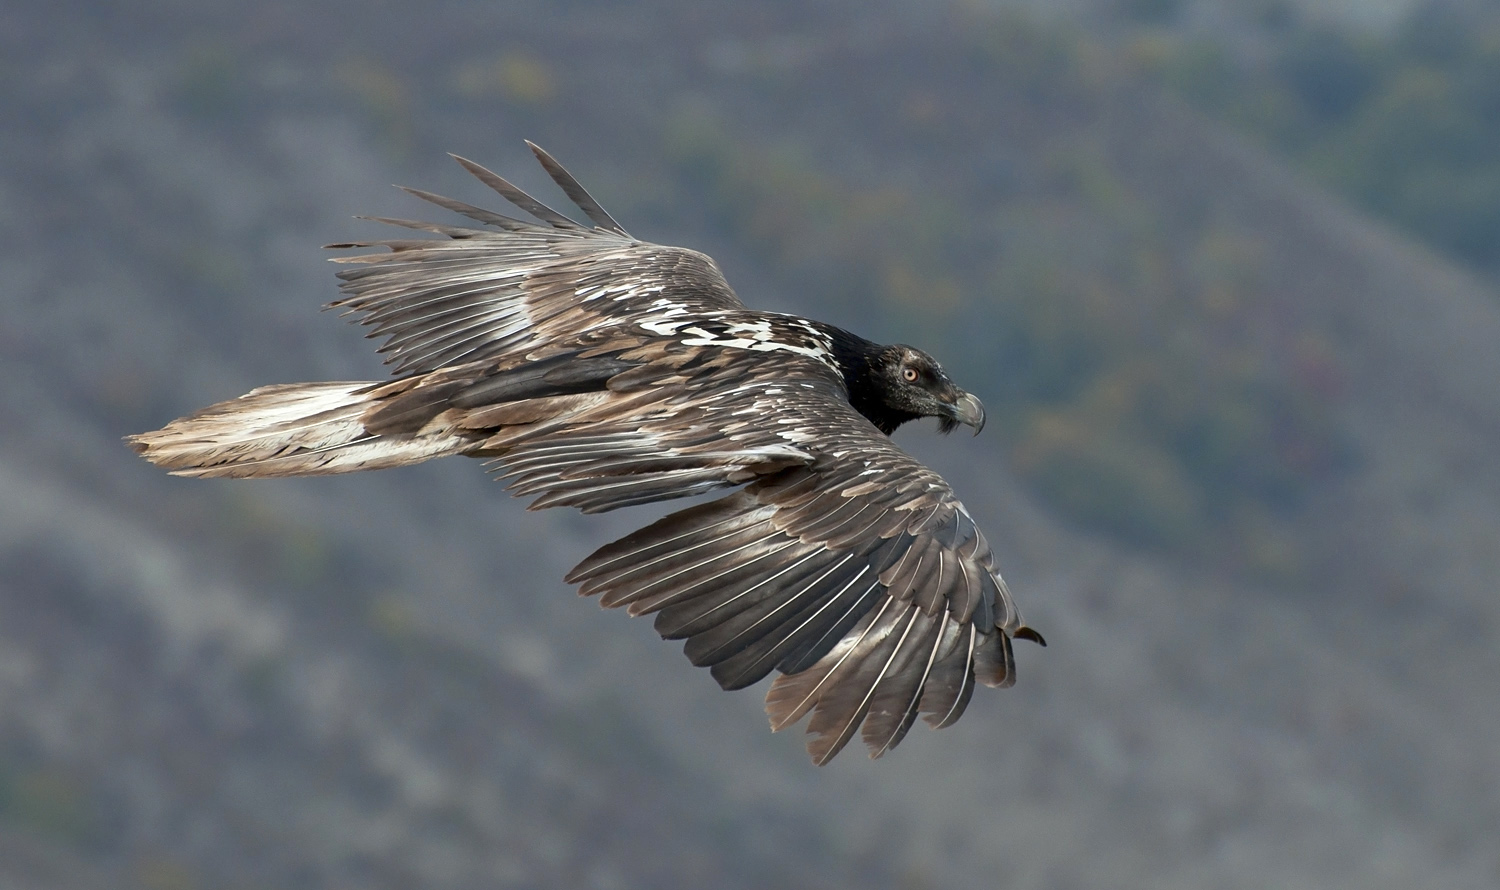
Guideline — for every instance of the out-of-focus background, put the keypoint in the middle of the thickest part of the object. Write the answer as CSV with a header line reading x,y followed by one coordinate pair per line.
x,y
1225,274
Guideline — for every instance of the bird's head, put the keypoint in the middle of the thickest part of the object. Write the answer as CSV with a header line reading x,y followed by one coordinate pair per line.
x,y
911,383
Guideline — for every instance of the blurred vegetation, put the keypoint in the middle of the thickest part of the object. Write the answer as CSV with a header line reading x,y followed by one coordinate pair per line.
x,y
1115,358
1406,124
515,76
51,803
165,873
210,82
385,95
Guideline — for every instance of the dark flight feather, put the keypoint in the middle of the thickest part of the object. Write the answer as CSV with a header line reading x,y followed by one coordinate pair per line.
x,y
575,191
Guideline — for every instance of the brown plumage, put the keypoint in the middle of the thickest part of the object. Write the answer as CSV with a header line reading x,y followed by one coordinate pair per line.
x,y
598,371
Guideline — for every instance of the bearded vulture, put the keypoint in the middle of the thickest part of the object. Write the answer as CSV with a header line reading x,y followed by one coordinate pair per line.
x,y
598,371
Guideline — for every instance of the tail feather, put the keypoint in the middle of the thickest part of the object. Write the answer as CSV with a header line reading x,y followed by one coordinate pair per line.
x,y
300,429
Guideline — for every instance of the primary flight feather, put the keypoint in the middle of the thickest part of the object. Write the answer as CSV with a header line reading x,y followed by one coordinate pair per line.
x,y
598,371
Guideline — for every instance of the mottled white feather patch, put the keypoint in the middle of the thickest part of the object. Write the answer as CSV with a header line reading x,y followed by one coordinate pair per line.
x,y
759,335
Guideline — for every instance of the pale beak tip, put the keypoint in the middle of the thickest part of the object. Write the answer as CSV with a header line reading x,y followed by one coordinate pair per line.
x,y
969,411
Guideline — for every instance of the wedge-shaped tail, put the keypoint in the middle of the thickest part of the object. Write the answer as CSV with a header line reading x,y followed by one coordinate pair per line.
x,y
298,429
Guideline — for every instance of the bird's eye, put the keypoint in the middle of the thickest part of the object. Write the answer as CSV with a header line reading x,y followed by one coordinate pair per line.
x,y
910,374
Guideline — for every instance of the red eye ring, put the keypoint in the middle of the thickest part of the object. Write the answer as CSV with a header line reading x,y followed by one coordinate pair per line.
x,y
910,374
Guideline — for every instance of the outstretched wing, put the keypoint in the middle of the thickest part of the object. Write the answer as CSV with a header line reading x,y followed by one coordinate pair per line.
x,y
848,566
483,293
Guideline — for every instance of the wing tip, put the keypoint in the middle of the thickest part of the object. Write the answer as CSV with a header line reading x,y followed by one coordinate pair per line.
x,y
1030,633
575,191
515,195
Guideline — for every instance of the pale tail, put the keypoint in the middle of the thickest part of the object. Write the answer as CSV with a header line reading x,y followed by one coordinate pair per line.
x,y
298,429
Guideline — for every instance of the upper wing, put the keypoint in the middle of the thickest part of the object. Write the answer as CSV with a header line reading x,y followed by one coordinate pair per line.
x,y
484,293
845,564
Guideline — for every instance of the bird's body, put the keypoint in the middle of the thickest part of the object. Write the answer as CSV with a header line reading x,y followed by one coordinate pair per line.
x,y
599,372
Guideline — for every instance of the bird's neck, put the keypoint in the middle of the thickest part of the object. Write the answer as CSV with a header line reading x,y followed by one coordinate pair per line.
x,y
861,361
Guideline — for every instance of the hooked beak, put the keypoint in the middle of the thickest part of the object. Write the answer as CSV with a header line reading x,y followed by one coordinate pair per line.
x,y
968,410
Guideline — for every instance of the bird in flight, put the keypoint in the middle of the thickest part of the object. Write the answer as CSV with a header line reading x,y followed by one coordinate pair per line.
x,y
598,371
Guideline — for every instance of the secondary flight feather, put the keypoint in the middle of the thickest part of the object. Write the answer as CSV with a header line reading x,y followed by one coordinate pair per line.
x,y
598,371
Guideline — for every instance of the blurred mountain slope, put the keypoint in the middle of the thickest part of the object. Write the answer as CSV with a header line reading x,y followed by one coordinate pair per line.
x,y
1397,116
381,681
